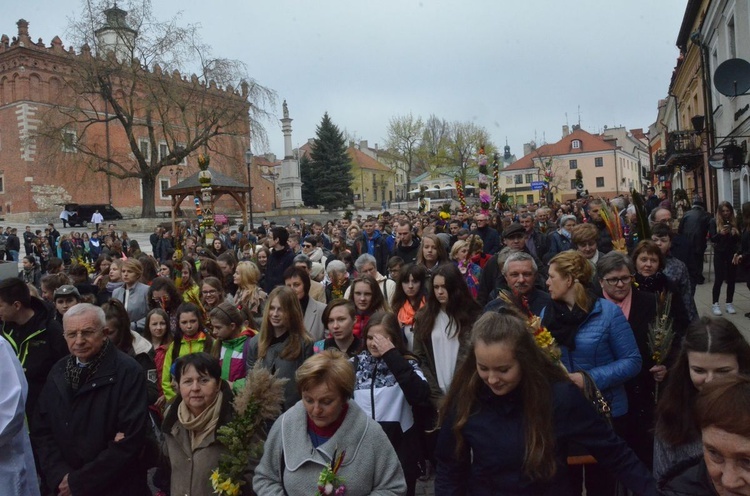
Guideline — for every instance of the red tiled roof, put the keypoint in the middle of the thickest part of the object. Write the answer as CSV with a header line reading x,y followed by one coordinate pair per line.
x,y
589,143
262,161
365,161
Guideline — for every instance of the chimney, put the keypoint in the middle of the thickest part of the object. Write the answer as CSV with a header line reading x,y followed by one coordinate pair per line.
x,y
376,147
566,131
310,141
351,143
363,145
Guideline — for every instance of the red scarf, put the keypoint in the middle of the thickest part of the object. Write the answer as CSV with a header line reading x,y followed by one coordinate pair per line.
x,y
329,430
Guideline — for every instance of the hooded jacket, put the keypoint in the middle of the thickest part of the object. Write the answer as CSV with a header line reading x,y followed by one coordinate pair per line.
x,y
38,344
278,262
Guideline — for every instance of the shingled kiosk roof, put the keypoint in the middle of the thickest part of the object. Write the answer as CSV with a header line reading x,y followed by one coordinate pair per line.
x,y
221,185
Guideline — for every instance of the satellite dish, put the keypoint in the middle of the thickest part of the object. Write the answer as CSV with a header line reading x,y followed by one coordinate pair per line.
x,y
732,77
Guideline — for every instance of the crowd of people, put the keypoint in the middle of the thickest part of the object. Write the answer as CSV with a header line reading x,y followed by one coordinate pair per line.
x,y
505,352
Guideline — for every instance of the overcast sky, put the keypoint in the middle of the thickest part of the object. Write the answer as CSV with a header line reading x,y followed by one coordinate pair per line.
x,y
520,68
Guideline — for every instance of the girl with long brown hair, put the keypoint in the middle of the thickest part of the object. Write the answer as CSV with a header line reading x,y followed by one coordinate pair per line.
x,y
443,326
389,386
510,415
282,344
367,297
713,347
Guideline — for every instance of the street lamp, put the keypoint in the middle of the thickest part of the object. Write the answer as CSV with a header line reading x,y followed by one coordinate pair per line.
x,y
249,162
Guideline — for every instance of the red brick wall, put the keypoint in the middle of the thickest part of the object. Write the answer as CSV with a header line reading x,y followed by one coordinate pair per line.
x,y
36,179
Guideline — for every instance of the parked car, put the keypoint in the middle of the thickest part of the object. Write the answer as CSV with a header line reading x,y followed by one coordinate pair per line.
x,y
82,213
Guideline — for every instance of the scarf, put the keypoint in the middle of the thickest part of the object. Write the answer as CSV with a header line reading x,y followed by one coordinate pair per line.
x,y
407,312
28,275
652,284
76,375
624,304
201,425
329,430
564,233
564,323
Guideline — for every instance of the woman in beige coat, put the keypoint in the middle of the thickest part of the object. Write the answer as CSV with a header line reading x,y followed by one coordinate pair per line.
x,y
203,405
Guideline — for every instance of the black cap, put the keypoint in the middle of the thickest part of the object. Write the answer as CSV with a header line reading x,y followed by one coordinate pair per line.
x,y
513,229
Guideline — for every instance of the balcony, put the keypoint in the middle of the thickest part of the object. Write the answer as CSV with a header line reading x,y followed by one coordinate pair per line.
x,y
683,151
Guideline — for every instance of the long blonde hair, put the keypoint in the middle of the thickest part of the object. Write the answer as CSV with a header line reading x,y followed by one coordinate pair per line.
x,y
295,325
574,265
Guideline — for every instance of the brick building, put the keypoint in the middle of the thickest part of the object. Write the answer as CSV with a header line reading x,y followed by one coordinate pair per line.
x,y
38,173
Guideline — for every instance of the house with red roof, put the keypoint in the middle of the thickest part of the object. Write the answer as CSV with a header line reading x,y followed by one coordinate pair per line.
x,y
608,169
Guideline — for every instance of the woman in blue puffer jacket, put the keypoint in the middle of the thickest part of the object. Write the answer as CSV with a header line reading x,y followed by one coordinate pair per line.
x,y
594,336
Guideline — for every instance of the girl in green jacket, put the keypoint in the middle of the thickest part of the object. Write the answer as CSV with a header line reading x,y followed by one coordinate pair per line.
x,y
190,337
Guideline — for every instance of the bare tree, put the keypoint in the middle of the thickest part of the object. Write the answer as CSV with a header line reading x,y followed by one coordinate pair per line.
x,y
433,151
464,141
404,138
136,86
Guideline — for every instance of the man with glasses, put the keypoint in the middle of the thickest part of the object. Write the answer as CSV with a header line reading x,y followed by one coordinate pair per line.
x,y
34,335
92,417
490,237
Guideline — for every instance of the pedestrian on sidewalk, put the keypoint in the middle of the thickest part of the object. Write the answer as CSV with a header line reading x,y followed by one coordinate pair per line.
x,y
725,236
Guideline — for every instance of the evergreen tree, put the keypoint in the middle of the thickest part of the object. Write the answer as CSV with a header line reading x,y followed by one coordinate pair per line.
x,y
330,166
309,196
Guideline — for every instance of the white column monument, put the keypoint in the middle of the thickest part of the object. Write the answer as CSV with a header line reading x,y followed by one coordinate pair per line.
x,y
289,181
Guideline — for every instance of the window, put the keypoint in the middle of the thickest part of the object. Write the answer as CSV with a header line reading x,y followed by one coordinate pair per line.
x,y
599,182
163,185
69,139
184,159
519,179
529,198
731,39
575,144
2,184
572,184
163,151
145,147
598,162
573,164
529,178
374,194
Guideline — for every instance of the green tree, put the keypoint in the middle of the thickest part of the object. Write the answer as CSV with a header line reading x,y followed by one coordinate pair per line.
x,y
330,166
309,196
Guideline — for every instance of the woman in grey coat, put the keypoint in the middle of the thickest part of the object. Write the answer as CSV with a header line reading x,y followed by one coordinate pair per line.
x,y
133,294
317,430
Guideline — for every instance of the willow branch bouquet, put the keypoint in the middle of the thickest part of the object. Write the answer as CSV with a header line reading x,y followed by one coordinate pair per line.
x,y
661,332
258,401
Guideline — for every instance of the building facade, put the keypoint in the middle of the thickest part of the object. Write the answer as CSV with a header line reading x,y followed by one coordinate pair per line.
x,y
373,184
39,173
608,168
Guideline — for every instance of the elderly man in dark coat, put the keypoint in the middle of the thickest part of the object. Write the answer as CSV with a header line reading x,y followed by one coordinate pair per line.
x,y
92,417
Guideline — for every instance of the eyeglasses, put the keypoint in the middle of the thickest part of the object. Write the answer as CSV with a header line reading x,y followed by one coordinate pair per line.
x,y
85,335
209,293
307,245
614,281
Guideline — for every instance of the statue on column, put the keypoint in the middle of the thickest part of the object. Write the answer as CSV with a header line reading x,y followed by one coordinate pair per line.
x,y
286,110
